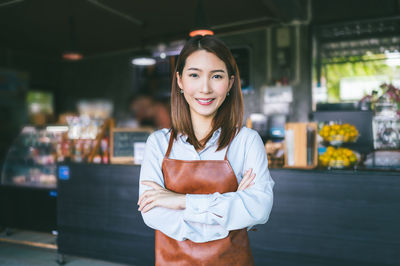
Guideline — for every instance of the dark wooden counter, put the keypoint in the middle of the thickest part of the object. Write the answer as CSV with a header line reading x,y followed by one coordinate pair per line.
x,y
318,218
28,208
341,217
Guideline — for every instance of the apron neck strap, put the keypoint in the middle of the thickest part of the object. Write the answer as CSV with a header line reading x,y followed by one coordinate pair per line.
x,y
171,141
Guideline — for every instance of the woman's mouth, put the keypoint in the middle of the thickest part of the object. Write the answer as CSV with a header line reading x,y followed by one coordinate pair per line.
x,y
205,101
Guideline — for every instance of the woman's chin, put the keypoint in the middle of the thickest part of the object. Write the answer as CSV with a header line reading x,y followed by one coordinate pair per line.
x,y
205,114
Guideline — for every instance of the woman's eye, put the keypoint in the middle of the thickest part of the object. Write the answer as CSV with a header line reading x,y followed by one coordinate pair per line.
x,y
193,75
217,76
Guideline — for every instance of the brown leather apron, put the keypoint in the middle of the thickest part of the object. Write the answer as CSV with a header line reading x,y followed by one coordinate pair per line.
x,y
201,177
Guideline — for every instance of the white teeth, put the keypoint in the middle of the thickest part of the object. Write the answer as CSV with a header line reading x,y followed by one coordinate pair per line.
x,y
203,101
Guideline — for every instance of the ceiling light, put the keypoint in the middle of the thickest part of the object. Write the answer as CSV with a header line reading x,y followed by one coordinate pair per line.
x,y
201,32
143,61
72,54
201,26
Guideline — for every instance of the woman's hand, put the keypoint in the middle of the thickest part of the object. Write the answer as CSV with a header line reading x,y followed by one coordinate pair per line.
x,y
247,180
161,197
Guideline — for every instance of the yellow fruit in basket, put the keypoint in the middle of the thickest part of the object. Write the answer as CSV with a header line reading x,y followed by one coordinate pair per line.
x,y
330,150
348,153
353,158
336,132
324,161
337,157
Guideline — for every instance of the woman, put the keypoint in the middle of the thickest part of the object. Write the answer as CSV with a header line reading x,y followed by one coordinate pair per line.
x,y
206,180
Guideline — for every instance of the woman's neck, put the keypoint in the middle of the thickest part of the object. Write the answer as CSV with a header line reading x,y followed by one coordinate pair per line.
x,y
201,127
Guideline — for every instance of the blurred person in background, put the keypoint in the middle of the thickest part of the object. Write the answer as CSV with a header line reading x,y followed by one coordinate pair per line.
x,y
150,111
142,109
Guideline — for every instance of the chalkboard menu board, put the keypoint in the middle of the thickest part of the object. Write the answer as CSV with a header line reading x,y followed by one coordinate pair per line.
x,y
122,143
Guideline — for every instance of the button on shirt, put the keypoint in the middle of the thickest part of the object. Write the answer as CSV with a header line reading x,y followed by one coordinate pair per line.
x,y
210,217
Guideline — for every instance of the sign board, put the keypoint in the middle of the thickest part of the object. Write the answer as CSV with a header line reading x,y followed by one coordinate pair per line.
x,y
123,142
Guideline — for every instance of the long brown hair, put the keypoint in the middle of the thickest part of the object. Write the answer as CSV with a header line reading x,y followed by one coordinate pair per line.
x,y
229,116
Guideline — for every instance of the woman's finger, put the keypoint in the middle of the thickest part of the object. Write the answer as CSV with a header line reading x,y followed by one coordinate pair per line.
x,y
246,175
248,172
249,181
141,197
146,201
145,194
148,207
245,183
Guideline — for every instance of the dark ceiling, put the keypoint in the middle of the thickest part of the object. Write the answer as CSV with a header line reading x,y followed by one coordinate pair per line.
x,y
103,26
43,25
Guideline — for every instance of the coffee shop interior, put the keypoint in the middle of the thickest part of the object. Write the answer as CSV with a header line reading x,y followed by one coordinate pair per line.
x,y
84,82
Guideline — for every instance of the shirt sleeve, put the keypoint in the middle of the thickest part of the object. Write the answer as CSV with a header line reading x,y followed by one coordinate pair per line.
x,y
169,221
241,209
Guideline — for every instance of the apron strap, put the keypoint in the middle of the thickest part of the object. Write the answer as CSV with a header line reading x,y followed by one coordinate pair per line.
x,y
171,141
227,149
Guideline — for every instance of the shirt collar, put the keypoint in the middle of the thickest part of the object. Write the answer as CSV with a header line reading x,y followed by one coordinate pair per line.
x,y
212,140
215,136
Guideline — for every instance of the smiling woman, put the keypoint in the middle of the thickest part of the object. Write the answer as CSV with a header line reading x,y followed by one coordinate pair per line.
x,y
205,84
199,189
206,70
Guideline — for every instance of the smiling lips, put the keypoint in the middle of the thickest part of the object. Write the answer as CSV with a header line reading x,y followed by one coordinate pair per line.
x,y
205,101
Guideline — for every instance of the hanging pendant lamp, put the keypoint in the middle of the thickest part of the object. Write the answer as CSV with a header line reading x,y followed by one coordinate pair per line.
x,y
201,26
72,53
143,61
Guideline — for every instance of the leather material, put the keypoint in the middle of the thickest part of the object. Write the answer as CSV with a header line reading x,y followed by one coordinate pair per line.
x,y
201,177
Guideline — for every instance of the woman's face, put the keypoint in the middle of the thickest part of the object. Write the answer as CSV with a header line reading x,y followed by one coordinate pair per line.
x,y
205,83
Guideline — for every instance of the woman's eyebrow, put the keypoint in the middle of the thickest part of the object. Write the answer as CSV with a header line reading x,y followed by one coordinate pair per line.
x,y
194,68
218,70
212,71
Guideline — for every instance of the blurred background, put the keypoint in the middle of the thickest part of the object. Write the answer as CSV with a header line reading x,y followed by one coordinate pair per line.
x,y
84,82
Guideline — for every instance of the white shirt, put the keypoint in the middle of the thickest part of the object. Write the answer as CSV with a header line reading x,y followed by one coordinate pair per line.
x,y
210,216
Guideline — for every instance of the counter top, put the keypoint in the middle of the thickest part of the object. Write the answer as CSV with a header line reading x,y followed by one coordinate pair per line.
x,y
346,171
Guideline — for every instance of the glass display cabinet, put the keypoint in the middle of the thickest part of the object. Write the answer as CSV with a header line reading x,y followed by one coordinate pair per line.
x,y
31,159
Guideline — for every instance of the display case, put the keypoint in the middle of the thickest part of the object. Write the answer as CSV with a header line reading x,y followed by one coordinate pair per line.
x,y
31,159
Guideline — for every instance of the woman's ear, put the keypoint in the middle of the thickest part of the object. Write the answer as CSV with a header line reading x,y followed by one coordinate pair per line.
x,y
179,80
231,81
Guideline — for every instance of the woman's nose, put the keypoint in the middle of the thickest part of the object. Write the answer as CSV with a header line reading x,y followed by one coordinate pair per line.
x,y
206,87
